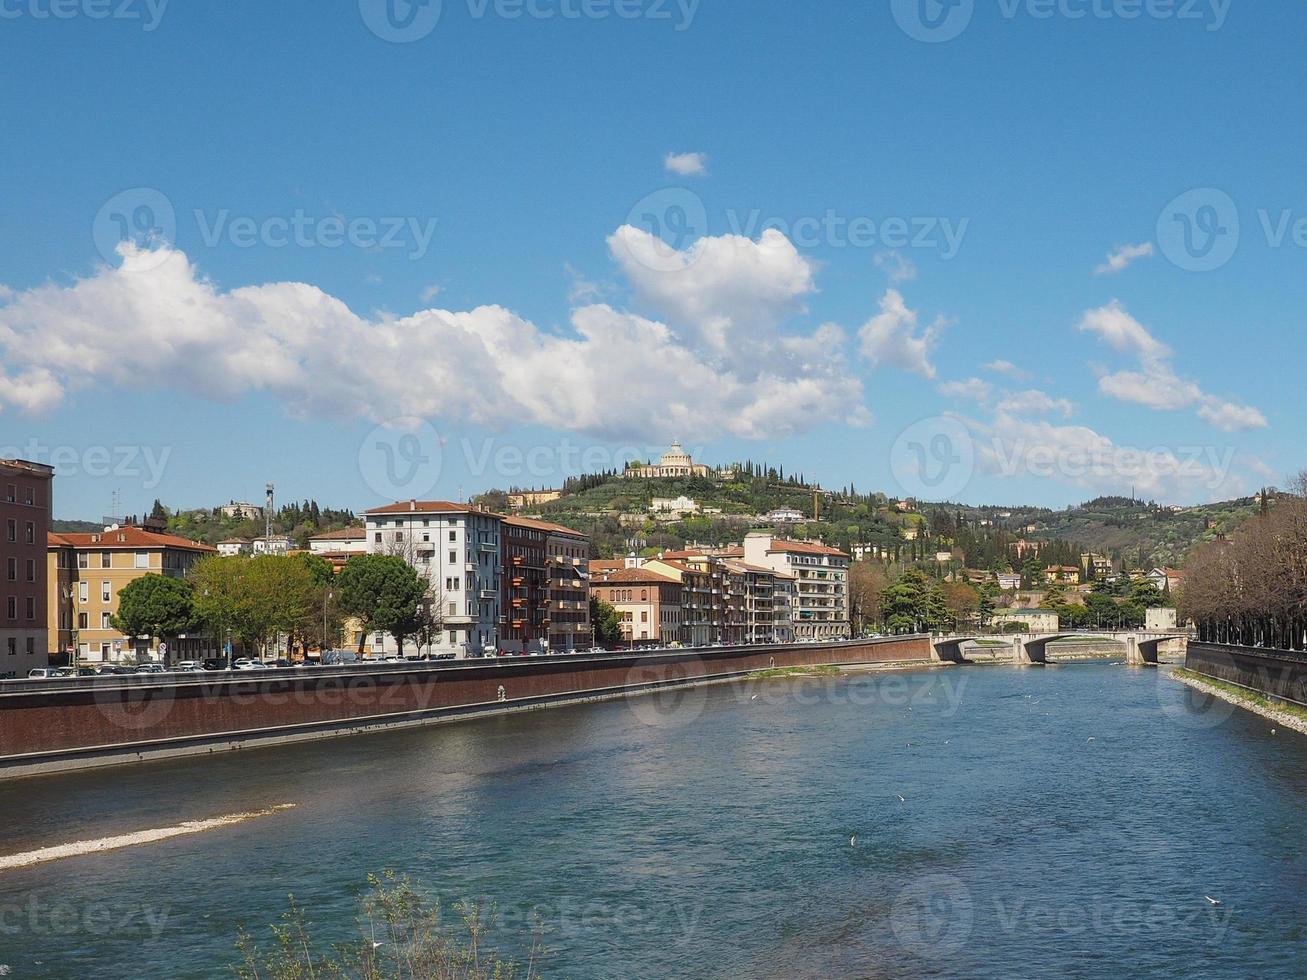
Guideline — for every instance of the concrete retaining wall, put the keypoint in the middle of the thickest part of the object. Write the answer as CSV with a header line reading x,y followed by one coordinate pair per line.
x,y
83,722
1281,673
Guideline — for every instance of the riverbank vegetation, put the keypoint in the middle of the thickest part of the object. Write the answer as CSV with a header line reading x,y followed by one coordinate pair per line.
x,y
1251,589
402,935
1264,705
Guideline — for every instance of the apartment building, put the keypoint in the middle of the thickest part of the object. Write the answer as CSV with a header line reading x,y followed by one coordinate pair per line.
x,y
568,555
698,604
457,548
524,582
87,572
25,511
820,604
648,604
350,540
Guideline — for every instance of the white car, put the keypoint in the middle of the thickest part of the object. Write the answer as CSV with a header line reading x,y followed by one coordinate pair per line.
x,y
44,673
245,663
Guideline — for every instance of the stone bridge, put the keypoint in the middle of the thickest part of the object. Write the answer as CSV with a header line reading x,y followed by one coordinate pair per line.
x,y
1141,646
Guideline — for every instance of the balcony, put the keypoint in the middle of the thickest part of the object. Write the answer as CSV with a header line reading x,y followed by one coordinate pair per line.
x,y
489,594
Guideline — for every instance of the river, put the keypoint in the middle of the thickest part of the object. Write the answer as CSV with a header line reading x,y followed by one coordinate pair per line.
x,y
1065,821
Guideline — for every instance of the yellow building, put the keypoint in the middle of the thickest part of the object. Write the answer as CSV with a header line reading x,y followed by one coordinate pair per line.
x,y
88,571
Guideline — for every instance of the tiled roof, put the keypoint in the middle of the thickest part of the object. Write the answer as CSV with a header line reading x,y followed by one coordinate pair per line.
x,y
133,537
54,540
345,534
422,507
634,575
543,526
804,548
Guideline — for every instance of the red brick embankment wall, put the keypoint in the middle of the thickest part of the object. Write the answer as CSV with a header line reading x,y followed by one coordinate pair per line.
x,y
52,725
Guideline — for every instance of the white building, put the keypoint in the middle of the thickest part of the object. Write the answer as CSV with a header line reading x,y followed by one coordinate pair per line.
x,y
786,515
1159,619
1009,581
232,547
276,545
457,548
674,505
820,604
350,541
242,511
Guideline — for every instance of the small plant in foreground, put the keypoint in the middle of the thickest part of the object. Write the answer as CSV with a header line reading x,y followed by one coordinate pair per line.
x,y
402,937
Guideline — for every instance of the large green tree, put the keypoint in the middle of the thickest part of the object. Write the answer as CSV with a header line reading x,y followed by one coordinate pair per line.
x,y
914,604
156,606
383,592
607,623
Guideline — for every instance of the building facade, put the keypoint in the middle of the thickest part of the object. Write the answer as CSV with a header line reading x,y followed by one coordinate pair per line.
x,y
350,540
568,553
525,586
89,571
25,513
820,604
676,462
457,549
648,605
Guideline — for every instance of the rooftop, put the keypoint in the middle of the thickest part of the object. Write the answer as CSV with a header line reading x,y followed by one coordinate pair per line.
x,y
128,538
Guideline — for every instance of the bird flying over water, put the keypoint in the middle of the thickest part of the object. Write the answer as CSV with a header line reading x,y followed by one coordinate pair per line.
x,y
1212,900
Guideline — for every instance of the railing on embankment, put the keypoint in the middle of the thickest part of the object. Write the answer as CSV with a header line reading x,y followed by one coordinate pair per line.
x,y
1279,673
53,725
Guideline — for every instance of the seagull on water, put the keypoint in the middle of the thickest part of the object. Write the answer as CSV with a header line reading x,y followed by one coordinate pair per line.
x,y
1212,900
853,841
901,798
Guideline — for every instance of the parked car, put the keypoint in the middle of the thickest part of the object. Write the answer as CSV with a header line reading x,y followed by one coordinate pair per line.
x,y
186,666
334,657
150,669
245,663
44,673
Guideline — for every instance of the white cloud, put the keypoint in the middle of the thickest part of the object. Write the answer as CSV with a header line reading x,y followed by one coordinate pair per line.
x,y
973,389
1012,447
1123,258
1008,368
156,323
1229,417
727,293
686,164
1034,402
580,289
1155,384
430,293
896,266
891,337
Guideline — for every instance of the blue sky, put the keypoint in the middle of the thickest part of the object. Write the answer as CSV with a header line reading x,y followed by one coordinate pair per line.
x,y
478,296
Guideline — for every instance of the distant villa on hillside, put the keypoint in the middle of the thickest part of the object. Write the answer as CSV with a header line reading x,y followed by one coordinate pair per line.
x,y
675,462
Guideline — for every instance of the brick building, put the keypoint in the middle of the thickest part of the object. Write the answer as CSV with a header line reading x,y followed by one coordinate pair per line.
x,y
25,512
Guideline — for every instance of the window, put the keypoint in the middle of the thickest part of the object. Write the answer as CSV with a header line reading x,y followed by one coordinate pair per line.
x,y
31,646
83,621
377,537
83,591
11,493
106,592
104,621
13,647
104,651
106,560
452,537
83,559
31,570
31,532
453,609
29,496
31,607
453,557
13,529
142,559
12,609
13,569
